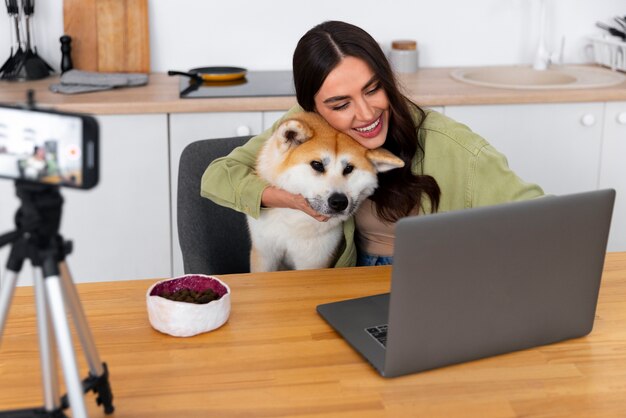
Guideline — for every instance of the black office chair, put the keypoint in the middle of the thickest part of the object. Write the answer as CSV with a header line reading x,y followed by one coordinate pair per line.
x,y
213,239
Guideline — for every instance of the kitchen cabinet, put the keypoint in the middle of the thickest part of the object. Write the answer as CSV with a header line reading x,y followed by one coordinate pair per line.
x,y
121,228
565,148
612,174
270,117
554,145
126,227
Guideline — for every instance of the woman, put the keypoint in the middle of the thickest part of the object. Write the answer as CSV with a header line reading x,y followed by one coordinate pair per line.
x,y
341,73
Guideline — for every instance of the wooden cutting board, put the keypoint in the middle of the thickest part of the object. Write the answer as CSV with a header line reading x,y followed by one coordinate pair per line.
x,y
108,35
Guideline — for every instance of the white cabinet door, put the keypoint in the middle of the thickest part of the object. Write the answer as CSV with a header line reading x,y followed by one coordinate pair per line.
x,y
554,145
613,170
186,128
121,228
270,117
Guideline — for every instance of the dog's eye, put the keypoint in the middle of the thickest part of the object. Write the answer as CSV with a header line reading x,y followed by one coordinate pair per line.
x,y
348,169
317,166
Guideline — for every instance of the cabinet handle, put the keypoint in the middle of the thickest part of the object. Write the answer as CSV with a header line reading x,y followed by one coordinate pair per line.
x,y
588,120
243,130
621,118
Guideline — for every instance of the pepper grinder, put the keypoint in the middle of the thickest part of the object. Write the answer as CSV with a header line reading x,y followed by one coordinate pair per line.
x,y
66,51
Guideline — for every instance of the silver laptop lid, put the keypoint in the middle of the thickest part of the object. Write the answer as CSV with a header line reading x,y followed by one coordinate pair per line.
x,y
485,281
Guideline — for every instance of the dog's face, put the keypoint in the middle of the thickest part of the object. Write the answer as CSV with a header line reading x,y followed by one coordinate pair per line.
x,y
332,171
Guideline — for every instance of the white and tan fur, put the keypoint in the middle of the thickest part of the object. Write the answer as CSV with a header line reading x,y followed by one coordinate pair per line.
x,y
307,156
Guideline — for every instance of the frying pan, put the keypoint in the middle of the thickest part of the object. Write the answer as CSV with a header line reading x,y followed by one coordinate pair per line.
x,y
196,82
213,73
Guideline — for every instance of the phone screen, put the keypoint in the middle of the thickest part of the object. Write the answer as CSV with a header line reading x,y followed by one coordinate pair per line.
x,y
44,147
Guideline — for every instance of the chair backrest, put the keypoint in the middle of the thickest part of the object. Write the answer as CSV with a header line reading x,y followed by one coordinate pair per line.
x,y
213,239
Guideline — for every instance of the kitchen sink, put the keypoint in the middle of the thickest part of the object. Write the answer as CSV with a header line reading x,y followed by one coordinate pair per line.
x,y
525,77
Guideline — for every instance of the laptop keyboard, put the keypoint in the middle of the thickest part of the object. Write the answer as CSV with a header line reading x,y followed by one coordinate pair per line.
x,y
379,333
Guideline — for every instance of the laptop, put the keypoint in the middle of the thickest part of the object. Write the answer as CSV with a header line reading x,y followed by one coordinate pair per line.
x,y
480,282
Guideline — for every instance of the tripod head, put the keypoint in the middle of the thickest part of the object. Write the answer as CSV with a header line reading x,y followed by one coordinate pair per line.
x,y
37,223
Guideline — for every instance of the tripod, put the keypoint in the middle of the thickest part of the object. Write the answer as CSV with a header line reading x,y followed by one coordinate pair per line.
x,y
36,238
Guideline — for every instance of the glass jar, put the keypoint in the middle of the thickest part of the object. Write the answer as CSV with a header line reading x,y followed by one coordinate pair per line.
x,y
403,56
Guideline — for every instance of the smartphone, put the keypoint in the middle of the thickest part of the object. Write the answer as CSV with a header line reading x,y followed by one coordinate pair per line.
x,y
50,147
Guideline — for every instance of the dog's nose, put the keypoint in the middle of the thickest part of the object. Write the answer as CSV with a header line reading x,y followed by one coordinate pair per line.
x,y
338,202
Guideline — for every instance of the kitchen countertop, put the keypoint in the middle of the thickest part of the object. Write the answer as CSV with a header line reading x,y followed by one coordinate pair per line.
x,y
427,87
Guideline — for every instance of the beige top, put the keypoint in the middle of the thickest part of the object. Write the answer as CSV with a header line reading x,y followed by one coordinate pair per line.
x,y
373,235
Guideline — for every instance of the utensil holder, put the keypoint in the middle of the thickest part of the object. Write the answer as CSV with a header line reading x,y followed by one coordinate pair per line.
x,y
609,52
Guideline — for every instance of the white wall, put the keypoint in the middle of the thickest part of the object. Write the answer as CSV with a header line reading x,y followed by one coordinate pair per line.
x,y
262,34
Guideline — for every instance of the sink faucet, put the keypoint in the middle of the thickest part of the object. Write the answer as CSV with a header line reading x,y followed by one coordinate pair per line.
x,y
543,57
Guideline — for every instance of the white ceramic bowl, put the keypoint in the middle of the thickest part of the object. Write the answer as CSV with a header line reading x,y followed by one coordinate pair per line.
x,y
184,319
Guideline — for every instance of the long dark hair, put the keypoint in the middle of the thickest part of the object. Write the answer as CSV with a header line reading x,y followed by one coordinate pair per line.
x,y
318,52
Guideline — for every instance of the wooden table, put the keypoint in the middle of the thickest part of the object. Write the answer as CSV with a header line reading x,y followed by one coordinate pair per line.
x,y
277,357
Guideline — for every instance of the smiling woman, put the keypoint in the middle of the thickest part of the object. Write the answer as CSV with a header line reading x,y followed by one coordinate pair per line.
x,y
341,73
355,90
362,111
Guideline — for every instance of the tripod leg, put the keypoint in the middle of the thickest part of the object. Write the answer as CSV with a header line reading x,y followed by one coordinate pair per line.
x,y
6,295
56,303
80,321
47,354
14,265
98,379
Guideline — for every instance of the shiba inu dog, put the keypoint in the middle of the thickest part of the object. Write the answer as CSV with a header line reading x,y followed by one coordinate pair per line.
x,y
332,171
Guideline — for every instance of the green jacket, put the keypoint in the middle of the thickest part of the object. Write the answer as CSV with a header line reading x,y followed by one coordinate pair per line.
x,y
469,171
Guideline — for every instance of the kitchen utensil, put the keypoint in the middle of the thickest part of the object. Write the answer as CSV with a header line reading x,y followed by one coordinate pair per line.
x,y
108,35
34,65
213,73
9,60
12,62
612,30
621,21
25,64
196,82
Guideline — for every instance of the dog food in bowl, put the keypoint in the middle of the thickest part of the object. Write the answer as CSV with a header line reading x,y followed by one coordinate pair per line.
x,y
188,305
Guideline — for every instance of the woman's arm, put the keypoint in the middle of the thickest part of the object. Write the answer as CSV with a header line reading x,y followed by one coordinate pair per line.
x,y
231,181
494,182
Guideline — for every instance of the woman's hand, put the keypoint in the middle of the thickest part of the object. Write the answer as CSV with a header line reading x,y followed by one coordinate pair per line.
x,y
274,197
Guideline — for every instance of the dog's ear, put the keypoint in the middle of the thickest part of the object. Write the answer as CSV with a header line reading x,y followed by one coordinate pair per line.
x,y
383,160
293,132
